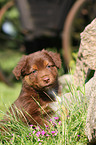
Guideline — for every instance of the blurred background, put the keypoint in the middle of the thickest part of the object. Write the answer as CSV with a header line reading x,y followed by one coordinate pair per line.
x,y
27,26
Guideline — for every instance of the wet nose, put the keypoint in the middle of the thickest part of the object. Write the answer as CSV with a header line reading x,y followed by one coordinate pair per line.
x,y
46,79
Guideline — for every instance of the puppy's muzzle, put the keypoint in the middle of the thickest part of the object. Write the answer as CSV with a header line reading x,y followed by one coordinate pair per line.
x,y
46,79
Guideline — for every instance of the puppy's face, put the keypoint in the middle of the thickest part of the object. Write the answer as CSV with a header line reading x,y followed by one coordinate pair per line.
x,y
39,69
42,73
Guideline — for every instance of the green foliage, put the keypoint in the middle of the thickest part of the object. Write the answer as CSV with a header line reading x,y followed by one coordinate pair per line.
x,y
73,62
9,59
2,2
12,13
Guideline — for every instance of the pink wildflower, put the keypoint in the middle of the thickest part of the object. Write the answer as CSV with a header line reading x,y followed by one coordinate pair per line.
x,y
54,124
56,133
33,131
43,132
56,118
50,120
31,125
47,134
38,139
38,133
53,132
46,126
59,122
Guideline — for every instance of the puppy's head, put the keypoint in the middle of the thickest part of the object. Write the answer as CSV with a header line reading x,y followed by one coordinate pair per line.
x,y
39,69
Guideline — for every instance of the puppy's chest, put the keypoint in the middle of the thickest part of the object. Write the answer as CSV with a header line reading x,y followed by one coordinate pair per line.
x,y
49,109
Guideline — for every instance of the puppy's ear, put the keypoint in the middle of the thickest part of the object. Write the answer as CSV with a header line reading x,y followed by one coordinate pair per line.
x,y
54,56
20,67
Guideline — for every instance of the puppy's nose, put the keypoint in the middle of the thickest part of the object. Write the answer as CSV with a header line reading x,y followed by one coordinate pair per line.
x,y
46,79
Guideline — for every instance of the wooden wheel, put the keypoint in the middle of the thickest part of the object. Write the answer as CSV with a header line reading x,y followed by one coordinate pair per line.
x,y
67,29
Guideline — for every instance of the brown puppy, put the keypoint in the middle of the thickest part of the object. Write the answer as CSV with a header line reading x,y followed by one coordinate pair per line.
x,y
39,75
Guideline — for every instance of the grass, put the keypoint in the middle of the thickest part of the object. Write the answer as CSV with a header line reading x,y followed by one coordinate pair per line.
x,y
70,130
8,95
61,132
8,60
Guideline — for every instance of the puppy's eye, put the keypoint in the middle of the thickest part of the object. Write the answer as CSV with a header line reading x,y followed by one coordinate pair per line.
x,y
49,66
34,71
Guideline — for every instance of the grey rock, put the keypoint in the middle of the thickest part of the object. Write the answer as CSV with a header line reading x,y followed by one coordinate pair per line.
x,y
86,60
91,115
